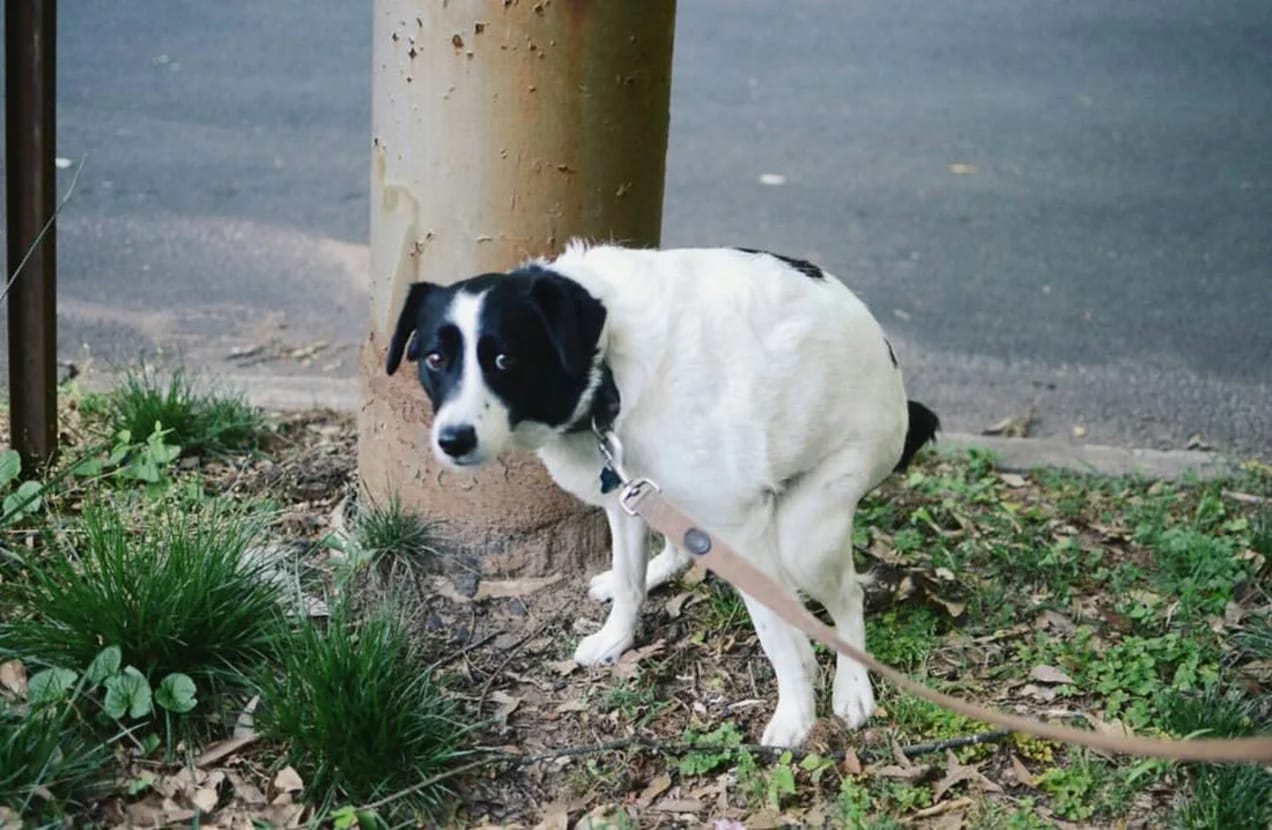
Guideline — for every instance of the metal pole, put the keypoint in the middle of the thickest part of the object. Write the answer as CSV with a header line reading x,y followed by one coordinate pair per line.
x,y
500,129
30,33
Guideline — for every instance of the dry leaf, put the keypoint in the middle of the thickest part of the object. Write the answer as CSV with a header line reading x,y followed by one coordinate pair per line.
x,y
446,589
677,603
219,750
563,667
1107,727
1049,674
956,772
1260,671
555,817
1233,613
205,798
288,781
13,676
243,727
895,771
1023,777
851,763
938,809
696,573
1013,426
654,789
627,666
503,589
9,820
1013,480
570,706
679,805
507,705
766,819
249,794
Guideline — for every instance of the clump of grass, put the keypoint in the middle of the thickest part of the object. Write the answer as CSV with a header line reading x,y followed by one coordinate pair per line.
x,y
200,421
47,766
176,595
354,704
389,530
1236,796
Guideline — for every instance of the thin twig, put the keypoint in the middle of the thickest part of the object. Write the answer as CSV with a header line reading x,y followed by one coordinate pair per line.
x,y
79,168
459,652
512,652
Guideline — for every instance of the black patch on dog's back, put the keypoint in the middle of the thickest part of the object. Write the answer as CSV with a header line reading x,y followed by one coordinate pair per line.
x,y
922,429
805,267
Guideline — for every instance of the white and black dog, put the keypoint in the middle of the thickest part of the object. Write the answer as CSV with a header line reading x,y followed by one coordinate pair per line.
x,y
756,390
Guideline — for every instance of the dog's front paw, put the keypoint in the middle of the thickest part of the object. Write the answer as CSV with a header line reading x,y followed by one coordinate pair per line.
x,y
853,699
601,588
605,646
789,726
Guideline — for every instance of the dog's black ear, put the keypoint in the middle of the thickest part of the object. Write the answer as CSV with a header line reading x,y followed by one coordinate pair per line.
x,y
575,319
404,331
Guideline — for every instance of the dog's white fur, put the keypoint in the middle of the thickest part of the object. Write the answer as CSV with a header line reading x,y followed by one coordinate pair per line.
x,y
765,404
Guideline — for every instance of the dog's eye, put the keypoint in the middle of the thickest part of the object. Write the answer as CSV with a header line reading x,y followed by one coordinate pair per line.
x,y
434,360
503,362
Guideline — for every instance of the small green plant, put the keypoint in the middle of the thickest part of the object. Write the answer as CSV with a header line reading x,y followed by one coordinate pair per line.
x,y
1023,816
20,501
200,422
724,608
717,750
636,700
120,692
147,462
358,714
903,636
854,805
178,595
1081,789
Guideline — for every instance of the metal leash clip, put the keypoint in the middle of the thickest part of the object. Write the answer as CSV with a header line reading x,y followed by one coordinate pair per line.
x,y
614,475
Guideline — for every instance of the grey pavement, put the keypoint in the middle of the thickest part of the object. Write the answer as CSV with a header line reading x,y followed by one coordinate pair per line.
x,y
1056,207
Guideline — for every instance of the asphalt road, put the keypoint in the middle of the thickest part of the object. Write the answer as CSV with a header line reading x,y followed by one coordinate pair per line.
x,y
1058,206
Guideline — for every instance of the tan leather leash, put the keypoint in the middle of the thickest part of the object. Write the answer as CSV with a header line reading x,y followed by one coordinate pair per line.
x,y
642,497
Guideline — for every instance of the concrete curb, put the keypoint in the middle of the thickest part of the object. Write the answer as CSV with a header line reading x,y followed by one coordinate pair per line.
x,y
1011,454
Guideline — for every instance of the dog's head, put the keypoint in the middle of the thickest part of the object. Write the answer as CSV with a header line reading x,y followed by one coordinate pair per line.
x,y
506,359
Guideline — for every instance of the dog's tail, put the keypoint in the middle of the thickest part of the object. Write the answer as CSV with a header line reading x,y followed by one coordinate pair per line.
x,y
922,429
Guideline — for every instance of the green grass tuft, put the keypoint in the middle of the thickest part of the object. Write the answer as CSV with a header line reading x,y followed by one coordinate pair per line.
x,y
1231,795
200,421
388,530
43,753
176,595
355,707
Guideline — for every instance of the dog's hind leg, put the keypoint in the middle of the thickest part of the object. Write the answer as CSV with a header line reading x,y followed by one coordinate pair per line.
x,y
786,647
663,568
627,536
815,528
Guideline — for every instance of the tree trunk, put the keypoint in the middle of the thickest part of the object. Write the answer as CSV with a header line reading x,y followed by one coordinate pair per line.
x,y
501,129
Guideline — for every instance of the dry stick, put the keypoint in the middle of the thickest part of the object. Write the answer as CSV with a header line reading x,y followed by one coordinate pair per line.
x,y
79,168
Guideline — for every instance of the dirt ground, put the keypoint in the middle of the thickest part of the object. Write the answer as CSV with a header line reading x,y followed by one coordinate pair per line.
x,y
666,738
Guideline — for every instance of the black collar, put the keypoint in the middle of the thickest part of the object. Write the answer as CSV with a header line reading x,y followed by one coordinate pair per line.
x,y
604,408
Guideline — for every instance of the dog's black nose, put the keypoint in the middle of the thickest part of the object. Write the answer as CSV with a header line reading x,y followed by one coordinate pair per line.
x,y
457,441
